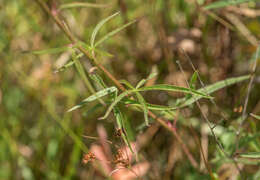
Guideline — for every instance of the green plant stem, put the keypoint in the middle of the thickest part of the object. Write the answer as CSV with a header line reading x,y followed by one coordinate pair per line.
x,y
114,80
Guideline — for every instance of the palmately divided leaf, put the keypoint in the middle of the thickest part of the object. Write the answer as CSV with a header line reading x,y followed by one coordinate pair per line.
x,y
94,97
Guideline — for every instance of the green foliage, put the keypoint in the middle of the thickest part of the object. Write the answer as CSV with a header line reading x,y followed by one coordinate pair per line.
x,y
224,3
81,5
39,140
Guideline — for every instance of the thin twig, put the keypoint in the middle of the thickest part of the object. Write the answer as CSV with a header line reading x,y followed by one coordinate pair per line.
x,y
114,80
209,124
244,115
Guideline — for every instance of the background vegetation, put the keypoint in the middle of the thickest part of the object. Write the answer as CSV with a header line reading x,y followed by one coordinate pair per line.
x,y
43,75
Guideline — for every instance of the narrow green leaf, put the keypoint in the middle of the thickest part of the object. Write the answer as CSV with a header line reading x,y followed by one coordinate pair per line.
x,y
64,67
193,80
116,100
255,116
144,107
121,124
49,51
112,33
81,4
212,88
143,81
224,3
166,87
82,74
250,155
95,77
154,107
98,51
97,28
141,100
94,97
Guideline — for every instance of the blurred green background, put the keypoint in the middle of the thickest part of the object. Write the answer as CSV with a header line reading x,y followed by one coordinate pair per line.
x,y
36,131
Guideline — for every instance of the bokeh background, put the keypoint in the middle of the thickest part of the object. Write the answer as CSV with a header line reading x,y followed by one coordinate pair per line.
x,y
40,140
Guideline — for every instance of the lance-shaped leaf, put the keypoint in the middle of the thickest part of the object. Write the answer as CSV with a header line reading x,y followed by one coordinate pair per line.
x,y
64,67
250,155
255,116
154,107
97,28
224,3
116,100
140,99
112,33
121,124
49,51
94,97
166,87
211,88
81,4
143,81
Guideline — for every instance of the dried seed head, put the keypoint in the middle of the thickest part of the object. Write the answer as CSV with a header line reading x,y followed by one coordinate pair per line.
x,y
120,159
118,133
88,157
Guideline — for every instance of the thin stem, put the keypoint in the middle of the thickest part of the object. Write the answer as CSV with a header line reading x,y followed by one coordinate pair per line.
x,y
244,116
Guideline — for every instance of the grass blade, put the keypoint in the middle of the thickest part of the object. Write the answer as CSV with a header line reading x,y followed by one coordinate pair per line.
x,y
94,97
224,3
97,28
112,33
81,4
